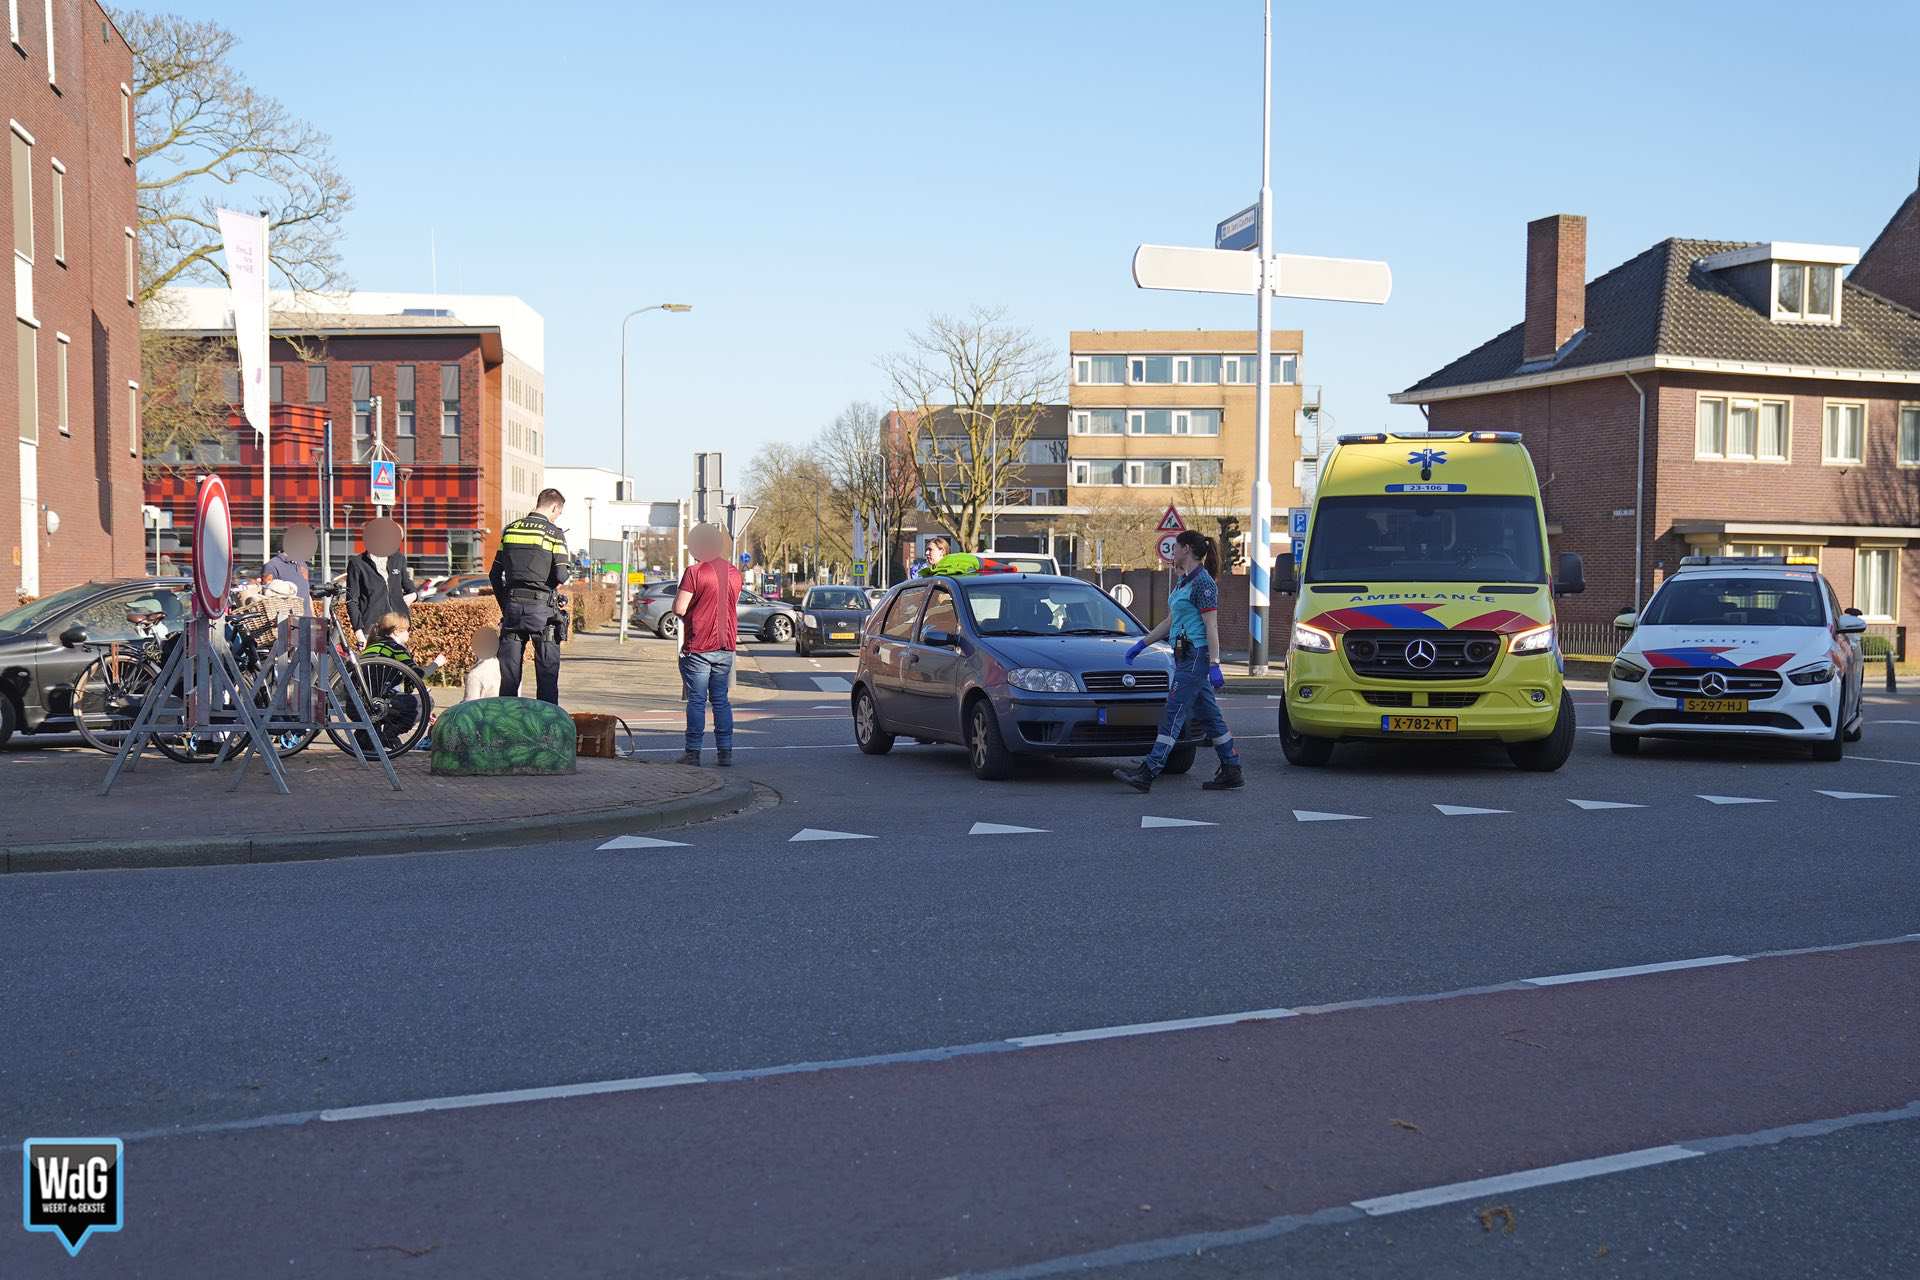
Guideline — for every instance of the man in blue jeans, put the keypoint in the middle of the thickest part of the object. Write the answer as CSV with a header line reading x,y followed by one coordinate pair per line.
x,y
706,602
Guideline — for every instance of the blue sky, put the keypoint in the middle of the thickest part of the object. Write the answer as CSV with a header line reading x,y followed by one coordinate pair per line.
x,y
816,179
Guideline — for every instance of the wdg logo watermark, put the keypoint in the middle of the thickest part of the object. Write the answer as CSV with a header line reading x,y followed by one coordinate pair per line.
x,y
72,1187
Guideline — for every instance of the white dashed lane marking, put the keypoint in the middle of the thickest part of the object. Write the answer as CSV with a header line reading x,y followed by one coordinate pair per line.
x,y
832,684
1856,795
1311,815
1604,804
1465,810
1147,822
1734,800
1000,829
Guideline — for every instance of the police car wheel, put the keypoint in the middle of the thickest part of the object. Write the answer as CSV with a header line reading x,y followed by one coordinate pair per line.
x,y
1831,748
1623,744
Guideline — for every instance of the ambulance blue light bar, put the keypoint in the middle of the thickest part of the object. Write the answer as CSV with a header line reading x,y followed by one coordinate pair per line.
x,y
1477,437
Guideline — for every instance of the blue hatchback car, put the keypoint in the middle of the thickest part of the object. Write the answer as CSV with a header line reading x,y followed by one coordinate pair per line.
x,y
1008,665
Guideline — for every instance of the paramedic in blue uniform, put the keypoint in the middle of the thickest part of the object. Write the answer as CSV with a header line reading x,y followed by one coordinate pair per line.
x,y
1193,624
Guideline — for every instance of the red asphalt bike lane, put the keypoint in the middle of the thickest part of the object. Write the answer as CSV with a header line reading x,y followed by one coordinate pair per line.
x,y
929,1168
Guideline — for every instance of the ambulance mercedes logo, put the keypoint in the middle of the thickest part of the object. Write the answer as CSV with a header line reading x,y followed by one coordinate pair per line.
x,y
1421,654
1129,680
1713,684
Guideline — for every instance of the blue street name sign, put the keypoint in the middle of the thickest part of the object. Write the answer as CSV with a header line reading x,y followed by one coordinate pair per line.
x,y
1241,231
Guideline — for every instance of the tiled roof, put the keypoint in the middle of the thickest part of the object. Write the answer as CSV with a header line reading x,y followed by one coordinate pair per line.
x,y
1662,303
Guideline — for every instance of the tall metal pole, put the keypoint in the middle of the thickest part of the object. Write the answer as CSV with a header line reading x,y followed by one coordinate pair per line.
x,y
266,433
1262,567
326,502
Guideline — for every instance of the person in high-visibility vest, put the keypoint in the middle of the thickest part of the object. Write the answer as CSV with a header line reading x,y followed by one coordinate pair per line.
x,y
530,566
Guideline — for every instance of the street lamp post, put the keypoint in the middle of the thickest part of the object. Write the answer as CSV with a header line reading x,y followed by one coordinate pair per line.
x,y
620,493
406,523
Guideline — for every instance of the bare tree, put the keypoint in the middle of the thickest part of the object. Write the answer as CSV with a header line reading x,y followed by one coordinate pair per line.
x,y
870,469
972,390
1122,527
791,489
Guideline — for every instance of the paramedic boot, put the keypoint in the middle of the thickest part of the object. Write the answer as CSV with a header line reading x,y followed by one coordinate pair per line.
x,y
1228,778
1137,777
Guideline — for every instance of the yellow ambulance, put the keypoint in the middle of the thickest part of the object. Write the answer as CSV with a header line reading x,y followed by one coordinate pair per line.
x,y
1426,604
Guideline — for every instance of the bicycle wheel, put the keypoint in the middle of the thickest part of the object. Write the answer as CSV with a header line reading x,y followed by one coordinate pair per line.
x,y
398,703
286,740
107,698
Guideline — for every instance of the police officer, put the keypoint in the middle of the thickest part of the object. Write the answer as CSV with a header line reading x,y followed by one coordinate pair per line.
x,y
531,563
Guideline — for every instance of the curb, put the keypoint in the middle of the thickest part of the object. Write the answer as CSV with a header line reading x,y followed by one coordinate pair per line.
x,y
217,851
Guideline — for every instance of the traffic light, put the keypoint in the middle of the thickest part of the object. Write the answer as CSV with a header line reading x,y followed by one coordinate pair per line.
x,y
1233,546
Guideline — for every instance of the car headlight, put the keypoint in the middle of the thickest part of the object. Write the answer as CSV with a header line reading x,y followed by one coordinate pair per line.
x,y
1311,639
1042,680
1628,672
1813,673
810,620
1538,640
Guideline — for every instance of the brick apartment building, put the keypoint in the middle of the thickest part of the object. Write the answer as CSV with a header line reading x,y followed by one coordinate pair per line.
x,y
460,408
1033,514
1713,396
70,473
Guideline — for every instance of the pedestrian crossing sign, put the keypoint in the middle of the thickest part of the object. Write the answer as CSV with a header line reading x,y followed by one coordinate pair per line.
x,y
1171,521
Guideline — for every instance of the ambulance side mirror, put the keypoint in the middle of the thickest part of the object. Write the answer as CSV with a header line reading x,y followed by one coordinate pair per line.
x,y
1572,578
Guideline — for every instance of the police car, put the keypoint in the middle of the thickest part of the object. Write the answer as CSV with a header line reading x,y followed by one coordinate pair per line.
x,y
1739,647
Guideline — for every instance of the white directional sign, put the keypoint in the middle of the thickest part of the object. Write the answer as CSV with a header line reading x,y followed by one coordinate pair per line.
x,y
1293,275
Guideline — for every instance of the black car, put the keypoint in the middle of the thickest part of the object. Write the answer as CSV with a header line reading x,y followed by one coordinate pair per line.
x,y
831,618
38,662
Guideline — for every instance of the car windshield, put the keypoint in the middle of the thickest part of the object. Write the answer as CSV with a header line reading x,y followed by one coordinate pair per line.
x,y
1408,537
1744,601
837,598
1025,608
29,616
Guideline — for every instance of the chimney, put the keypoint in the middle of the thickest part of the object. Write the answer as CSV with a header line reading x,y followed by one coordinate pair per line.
x,y
1556,283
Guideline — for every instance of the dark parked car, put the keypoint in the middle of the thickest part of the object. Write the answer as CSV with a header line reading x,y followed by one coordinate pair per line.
x,y
464,587
758,616
831,618
38,667
1010,665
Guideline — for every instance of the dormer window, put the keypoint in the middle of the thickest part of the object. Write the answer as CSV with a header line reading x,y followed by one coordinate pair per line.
x,y
1804,291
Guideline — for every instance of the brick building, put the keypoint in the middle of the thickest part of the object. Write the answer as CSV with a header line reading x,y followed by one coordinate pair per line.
x,y
69,381
1713,396
1032,511
444,388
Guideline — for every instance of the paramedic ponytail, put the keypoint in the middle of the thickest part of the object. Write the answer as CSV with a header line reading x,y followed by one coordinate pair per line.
x,y
1203,550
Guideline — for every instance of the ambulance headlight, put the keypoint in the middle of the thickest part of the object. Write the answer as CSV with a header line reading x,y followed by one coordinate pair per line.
x,y
1311,639
1538,640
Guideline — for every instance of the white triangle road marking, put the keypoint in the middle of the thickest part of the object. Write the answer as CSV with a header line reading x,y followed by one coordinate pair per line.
x,y
1857,795
1309,815
999,829
1465,810
1146,822
642,842
1734,800
810,833
1604,804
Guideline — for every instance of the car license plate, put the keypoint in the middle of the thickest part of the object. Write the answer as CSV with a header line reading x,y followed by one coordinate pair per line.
x,y
843,635
1133,713
1715,706
1420,724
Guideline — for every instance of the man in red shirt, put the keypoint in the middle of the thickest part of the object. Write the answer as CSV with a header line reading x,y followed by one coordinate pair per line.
x,y
707,600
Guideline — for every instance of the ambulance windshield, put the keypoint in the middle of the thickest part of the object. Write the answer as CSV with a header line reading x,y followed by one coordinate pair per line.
x,y
1404,537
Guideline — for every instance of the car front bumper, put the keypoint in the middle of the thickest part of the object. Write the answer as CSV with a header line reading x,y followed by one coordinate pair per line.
x,y
1517,700
1796,713
1084,724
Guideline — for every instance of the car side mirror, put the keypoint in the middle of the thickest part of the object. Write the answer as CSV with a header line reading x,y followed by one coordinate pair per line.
x,y
74,636
938,639
1572,578
1852,624
1853,613
1627,621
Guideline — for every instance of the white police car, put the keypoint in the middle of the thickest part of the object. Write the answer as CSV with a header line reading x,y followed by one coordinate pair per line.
x,y
1739,647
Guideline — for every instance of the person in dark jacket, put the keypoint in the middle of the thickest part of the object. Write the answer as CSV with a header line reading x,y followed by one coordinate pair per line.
x,y
527,571
378,582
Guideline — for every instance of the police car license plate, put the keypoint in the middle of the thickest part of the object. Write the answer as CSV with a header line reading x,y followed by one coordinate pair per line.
x,y
1420,724
1715,706
842,635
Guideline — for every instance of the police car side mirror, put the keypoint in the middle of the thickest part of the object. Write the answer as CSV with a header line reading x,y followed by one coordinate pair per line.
x,y
1626,621
1852,624
1572,578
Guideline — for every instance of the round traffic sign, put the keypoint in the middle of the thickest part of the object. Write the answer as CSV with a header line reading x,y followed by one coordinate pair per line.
x,y
1167,541
1123,594
212,547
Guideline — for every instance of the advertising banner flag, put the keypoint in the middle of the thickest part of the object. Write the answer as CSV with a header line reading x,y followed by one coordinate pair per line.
x,y
245,235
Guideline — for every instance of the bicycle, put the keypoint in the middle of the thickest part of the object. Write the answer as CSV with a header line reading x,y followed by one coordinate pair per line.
x,y
398,702
109,692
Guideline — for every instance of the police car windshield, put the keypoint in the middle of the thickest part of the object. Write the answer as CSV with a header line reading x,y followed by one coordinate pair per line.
x,y
1405,537
1691,600
1016,607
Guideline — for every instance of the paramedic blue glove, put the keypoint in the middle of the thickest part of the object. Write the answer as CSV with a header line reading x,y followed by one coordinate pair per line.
x,y
1215,677
1139,647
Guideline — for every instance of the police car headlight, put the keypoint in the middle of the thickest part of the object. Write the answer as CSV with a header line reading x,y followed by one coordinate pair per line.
x,y
1813,673
1628,672
1311,639
1042,680
1538,640
810,620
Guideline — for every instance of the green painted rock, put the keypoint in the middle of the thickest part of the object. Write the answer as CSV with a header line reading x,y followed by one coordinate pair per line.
x,y
492,736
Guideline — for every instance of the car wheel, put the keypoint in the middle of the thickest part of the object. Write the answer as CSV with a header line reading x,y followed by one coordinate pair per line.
x,y
668,628
1181,759
867,729
1298,748
1831,748
779,628
987,750
1544,755
1623,744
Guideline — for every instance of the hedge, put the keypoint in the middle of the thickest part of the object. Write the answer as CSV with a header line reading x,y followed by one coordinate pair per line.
x,y
447,626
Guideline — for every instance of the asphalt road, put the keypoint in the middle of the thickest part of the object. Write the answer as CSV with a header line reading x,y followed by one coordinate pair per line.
x,y
176,1003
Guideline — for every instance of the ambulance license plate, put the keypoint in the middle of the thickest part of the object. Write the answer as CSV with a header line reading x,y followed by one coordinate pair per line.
x,y
1715,706
1420,724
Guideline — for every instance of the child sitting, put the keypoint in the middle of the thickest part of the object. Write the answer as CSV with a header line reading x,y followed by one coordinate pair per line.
x,y
390,641
483,678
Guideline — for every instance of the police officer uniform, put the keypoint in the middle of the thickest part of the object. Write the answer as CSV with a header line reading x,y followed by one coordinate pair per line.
x,y
531,563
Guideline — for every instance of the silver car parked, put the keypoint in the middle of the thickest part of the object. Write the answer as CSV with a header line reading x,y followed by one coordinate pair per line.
x,y
1011,665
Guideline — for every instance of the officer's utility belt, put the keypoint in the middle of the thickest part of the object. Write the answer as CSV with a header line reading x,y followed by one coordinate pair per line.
x,y
529,594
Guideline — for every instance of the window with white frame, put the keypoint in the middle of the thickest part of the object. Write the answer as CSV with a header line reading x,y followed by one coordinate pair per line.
x,y
1876,583
1196,370
1805,291
1843,437
1150,422
61,410
1099,371
1910,435
1204,471
59,213
28,373
1794,552
1198,422
22,196
126,124
52,76
133,418
1043,452
1099,422
450,401
1153,370
1286,367
132,283
1240,370
1100,471
1741,429
1710,428
1156,471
